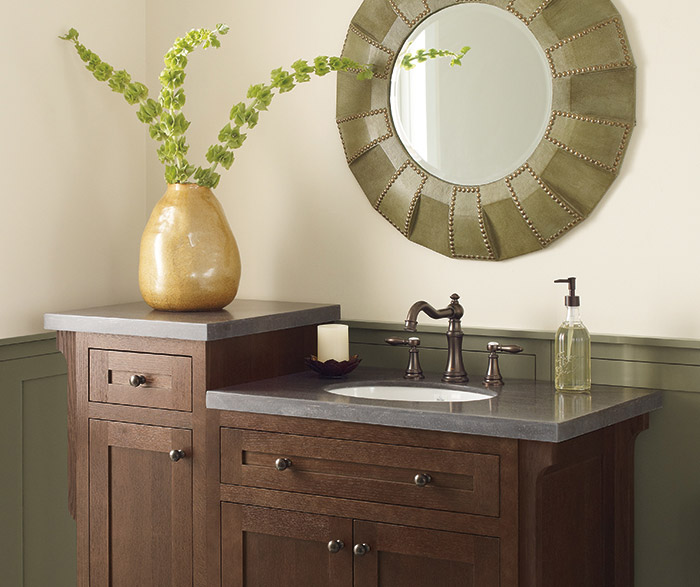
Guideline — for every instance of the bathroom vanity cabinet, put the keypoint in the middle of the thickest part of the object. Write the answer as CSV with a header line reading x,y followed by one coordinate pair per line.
x,y
267,487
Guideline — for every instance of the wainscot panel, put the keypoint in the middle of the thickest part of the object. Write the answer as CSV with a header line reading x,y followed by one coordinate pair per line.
x,y
37,535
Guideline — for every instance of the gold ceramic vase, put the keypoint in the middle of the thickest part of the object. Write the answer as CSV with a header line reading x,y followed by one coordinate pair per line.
x,y
189,259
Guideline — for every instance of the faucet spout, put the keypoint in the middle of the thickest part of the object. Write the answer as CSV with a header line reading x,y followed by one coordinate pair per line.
x,y
411,322
454,371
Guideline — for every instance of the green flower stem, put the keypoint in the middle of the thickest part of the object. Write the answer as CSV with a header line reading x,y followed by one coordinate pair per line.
x,y
260,96
167,124
410,60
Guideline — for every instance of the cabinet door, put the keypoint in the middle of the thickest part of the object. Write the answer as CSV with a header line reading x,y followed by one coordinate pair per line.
x,y
400,556
263,547
140,506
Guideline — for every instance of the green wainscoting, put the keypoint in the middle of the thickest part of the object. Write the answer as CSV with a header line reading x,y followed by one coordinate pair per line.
x,y
667,475
37,536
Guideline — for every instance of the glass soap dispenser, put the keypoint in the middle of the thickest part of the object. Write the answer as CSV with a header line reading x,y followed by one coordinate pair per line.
x,y
572,347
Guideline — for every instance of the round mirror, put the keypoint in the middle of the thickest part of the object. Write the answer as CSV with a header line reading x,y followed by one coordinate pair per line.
x,y
502,155
475,123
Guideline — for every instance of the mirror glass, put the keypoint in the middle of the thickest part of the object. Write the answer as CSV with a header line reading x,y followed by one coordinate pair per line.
x,y
478,122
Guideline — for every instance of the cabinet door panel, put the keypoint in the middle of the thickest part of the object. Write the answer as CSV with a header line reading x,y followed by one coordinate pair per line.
x,y
140,506
401,556
275,548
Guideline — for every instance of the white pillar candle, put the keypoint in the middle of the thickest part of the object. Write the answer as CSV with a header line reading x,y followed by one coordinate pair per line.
x,y
333,342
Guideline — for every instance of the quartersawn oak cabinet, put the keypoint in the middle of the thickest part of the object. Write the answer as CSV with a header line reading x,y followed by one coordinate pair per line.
x,y
169,493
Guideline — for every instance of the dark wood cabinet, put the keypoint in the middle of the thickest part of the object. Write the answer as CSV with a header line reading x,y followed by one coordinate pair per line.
x,y
140,505
262,547
143,519
419,557
255,500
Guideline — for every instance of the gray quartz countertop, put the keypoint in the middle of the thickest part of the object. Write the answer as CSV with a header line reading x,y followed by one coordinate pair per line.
x,y
239,318
521,409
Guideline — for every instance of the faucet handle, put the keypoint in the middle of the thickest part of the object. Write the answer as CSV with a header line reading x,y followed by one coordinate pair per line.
x,y
412,341
493,373
413,370
495,347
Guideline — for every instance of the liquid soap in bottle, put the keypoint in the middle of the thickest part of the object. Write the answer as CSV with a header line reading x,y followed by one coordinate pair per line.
x,y
572,347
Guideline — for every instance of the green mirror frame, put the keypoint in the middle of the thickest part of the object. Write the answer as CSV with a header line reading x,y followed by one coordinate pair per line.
x,y
576,161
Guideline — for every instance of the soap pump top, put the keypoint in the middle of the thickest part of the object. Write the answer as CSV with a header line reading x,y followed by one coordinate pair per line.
x,y
572,300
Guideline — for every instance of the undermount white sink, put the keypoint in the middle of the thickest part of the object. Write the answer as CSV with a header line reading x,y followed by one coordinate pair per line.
x,y
413,393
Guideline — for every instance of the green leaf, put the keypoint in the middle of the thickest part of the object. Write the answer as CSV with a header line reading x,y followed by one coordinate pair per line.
x,y
178,100
180,124
83,52
365,74
71,35
251,117
183,172
166,152
157,132
220,155
170,173
175,61
214,152
149,110
103,72
233,138
321,66
282,79
135,92
206,177
93,62
335,63
172,78
222,28
302,70
119,80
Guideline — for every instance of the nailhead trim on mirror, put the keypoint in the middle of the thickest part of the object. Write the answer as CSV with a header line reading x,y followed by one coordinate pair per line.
x,y
543,241
620,152
374,142
370,41
627,62
528,19
414,201
482,225
599,110
403,17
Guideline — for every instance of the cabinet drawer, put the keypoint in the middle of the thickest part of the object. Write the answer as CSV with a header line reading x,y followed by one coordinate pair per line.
x,y
458,481
167,379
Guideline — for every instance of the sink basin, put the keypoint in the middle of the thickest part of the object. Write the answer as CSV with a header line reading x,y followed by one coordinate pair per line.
x,y
412,393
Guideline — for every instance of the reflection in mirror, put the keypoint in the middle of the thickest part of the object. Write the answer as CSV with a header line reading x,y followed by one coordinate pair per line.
x,y
476,123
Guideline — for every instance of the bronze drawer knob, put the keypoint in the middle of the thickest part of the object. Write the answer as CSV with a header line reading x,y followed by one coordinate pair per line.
x,y
335,546
361,549
282,464
136,380
422,479
176,455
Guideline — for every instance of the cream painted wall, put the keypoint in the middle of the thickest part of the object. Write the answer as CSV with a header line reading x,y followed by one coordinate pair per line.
x,y
306,231
72,205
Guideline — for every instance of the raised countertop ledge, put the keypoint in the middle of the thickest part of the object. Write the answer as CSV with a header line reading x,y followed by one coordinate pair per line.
x,y
239,318
524,410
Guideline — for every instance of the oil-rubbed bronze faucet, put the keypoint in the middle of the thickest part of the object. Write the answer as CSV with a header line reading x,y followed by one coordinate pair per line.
x,y
454,371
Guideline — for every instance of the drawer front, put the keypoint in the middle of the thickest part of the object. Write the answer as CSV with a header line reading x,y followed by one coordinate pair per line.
x,y
166,379
454,481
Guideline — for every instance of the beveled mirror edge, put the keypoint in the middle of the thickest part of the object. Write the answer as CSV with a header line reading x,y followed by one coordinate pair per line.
x,y
573,166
